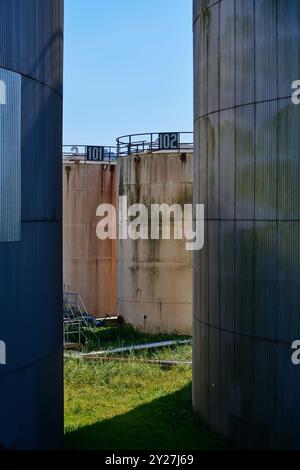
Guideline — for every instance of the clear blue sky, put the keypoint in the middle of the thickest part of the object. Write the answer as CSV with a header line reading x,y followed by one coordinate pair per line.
x,y
128,68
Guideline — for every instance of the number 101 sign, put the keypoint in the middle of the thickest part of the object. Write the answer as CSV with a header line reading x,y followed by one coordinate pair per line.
x,y
95,153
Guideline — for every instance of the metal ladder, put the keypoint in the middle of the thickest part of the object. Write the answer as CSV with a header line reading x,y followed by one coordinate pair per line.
x,y
75,319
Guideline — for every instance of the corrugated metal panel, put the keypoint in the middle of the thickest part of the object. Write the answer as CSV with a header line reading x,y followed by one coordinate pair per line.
x,y
265,309
202,183
31,38
32,406
202,313
215,398
10,157
203,373
265,49
201,68
196,362
226,381
288,118
213,58
227,267
244,386
198,147
287,432
266,161
244,277
227,164
288,308
227,58
197,70
213,271
213,166
29,275
41,151
245,163
265,402
244,51
288,45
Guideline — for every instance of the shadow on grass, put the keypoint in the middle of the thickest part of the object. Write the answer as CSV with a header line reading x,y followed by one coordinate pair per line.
x,y
163,424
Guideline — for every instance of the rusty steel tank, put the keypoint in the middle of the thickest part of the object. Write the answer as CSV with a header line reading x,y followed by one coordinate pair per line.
x,y
89,263
154,277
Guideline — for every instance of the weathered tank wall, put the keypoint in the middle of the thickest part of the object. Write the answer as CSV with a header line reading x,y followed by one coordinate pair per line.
x,y
89,263
31,384
154,282
246,172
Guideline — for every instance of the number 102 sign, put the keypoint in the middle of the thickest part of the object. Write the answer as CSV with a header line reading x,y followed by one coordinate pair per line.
x,y
168,141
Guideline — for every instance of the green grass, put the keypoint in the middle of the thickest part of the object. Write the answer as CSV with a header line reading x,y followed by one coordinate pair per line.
x,y
133,406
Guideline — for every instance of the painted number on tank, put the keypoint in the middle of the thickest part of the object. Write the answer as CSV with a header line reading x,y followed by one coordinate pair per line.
x,y
95,154
168,141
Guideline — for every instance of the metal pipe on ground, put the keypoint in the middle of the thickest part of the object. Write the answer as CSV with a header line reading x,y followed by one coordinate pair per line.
x,y
138,347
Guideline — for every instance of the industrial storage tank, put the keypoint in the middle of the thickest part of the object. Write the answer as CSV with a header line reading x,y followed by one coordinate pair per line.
x,y
31,383
246,172
154,276
89,263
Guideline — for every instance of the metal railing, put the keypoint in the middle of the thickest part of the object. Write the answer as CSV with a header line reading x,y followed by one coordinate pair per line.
x,y
154,142
74,307
76,317
79,153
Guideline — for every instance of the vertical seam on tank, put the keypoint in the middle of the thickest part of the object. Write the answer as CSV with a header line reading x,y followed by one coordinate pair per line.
x,y
253,224
277,208
254,198
207,50
235,222
219,183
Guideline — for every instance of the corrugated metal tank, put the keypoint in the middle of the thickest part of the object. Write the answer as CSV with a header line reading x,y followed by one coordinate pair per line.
x,y
31,384
89,263
154,281
246,172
